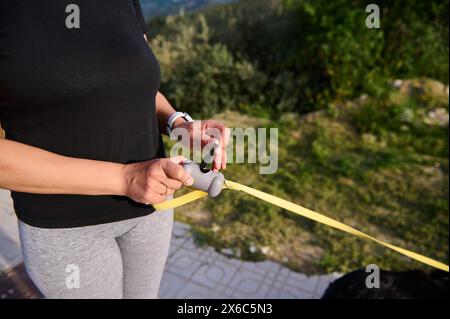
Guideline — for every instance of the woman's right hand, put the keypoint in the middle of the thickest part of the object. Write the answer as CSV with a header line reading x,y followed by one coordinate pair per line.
x,y
151,181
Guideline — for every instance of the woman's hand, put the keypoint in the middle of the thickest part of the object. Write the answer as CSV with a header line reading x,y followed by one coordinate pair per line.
x,y
151,181
211,131
163,112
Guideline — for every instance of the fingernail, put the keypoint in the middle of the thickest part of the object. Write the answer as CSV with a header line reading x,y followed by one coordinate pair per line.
x,y
190,181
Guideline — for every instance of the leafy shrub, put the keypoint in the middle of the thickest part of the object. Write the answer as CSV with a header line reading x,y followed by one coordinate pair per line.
x,y
201,77
298,55
412,42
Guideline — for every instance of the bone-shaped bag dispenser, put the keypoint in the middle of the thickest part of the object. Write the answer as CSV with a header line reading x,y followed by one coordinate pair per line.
x,y
205,180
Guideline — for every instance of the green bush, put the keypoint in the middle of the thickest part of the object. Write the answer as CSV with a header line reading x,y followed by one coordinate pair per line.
x,y
351,59
298,55
201,77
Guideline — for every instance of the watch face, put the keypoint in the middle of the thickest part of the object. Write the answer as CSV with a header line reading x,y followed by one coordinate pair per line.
x,y
174,117
188,118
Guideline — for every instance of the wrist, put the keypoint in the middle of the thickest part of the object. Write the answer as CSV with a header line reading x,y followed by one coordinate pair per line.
x,y
126,178
178,122
178,118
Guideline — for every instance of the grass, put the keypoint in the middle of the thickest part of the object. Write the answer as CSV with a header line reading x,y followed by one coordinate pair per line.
x,y
382,172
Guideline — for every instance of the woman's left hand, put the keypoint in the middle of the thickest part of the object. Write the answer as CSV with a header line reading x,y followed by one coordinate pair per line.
x,y
211,131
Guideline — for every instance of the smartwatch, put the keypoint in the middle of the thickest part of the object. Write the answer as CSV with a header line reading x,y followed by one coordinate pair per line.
x,y
176,116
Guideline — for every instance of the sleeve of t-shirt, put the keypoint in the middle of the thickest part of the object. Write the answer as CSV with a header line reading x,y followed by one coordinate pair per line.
x,y
140,16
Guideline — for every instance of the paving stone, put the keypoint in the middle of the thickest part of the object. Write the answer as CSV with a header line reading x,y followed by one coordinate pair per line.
x,y
262,270
283,273
294,293
184,263
209,251
228,259
212,274
335,276
173,248
190,244
180,229
322,285
195,291
280,279
249,289
178,241
324,282
230,291
272,274
237,263
302,281
278,283
220,288
274,294
171,285
262,267
250,284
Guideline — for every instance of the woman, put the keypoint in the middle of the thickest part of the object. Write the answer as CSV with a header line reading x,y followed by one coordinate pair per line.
x,y
83,155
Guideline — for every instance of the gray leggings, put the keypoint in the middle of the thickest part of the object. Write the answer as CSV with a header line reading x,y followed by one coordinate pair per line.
x,y
117,260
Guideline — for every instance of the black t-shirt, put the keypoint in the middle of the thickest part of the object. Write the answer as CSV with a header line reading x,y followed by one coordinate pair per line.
x,y
86,92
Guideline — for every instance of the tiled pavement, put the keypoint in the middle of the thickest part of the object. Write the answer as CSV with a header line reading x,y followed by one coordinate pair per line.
x,y
191,271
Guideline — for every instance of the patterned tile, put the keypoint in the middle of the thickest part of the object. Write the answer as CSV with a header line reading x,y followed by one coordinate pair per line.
x,y
259,291
190,245
195,291
178,241
262,267
294,293
212,274
249,284
274,294
302,282
230,261
180,229
173,249
324,282
171,285
184,263
208,252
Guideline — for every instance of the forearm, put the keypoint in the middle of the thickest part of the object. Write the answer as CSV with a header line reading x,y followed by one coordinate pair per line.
x,y
29,169
163,111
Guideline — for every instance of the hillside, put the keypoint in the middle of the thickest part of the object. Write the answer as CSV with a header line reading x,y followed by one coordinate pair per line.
x,y
153,8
